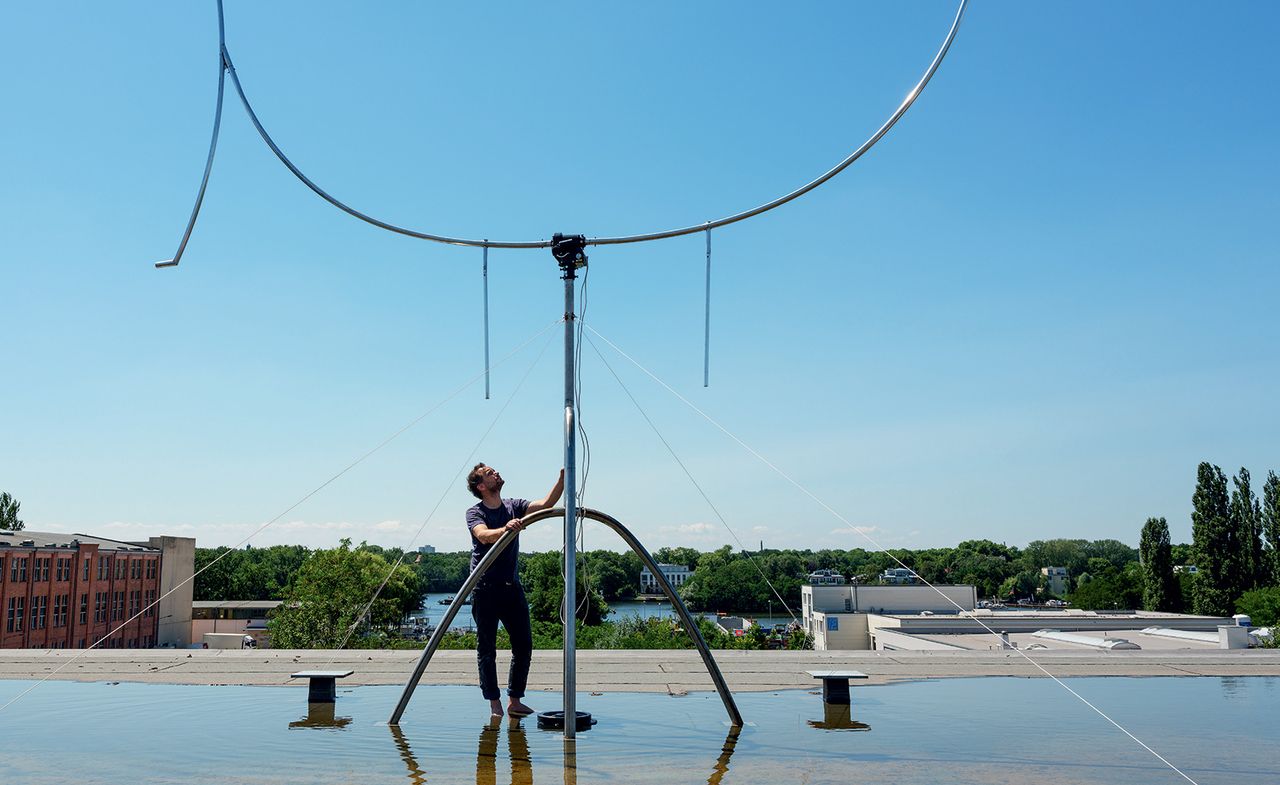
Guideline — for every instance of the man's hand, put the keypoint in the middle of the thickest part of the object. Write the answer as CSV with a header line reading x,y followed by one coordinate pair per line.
x,y
514,525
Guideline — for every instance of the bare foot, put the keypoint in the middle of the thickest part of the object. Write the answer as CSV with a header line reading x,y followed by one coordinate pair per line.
x,y
495,708
516,708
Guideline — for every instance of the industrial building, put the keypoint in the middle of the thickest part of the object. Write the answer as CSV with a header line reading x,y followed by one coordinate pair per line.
x,y
945,618
67,591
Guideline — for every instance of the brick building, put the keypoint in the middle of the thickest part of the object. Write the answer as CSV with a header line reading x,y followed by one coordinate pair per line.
x,y
66,591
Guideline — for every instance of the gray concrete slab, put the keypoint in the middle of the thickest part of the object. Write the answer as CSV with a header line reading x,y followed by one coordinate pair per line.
x,y
674,672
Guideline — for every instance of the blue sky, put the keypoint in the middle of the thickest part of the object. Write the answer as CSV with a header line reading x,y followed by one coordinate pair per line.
x,y
1029,312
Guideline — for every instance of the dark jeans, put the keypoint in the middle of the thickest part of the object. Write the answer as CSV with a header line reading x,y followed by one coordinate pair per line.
x,y
502,602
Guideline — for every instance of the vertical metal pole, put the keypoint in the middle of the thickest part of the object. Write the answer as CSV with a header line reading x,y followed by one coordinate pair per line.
x,y
486,321
706,348
570,514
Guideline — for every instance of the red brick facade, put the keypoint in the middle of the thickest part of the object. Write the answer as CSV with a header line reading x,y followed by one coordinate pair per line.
x,y
70,593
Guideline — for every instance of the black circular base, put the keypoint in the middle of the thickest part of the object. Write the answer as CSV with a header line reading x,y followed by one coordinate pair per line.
x,y
554,720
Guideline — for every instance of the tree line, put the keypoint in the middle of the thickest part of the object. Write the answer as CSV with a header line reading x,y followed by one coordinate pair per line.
x,y
1235,548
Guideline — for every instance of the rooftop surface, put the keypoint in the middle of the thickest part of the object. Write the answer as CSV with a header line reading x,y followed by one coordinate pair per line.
x,y
674,672
14,539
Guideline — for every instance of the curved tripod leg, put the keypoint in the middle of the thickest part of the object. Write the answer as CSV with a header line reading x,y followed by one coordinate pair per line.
x,y
438,634
735,718
717,678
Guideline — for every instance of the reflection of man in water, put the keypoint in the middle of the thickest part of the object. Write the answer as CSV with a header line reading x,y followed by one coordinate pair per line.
x,y
498,596
517,748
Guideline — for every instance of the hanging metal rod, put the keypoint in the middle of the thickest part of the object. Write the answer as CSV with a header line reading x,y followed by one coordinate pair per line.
x,y
906,104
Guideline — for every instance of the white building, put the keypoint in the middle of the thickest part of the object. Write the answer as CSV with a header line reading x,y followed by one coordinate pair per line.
x,y
1057,580
676,575
826,578
841,617
898,576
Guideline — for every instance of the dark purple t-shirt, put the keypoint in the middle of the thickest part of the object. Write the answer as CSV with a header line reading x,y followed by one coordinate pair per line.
x,y
504,569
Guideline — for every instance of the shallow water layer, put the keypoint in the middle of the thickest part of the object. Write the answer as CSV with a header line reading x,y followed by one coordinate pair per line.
x,y
998,730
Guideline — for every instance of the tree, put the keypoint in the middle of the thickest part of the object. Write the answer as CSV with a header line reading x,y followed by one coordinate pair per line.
x,y
1160,590
1262,606
1112,590
1215,543
1271,527
542,575
329,595
1246,522
9,519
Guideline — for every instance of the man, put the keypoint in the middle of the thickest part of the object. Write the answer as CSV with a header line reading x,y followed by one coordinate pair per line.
x,y
499,597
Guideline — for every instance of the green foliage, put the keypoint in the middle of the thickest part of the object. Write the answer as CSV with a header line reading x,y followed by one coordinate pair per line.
x,y
1216,544
329,595
1110,589
9,519
615,575
1246,522
1022,584
543,578
1262,605
1159,589
248,574
1271,528
442,572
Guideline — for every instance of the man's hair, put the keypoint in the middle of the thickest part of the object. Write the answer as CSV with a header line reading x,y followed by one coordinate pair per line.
x,y
473,480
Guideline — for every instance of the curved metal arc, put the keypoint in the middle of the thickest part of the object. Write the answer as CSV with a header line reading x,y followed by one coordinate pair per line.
x,y
910,99
438,634
323,194
213,145
906,104
735,717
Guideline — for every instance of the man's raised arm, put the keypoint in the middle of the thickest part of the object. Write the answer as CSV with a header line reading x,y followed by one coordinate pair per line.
x,y
551,498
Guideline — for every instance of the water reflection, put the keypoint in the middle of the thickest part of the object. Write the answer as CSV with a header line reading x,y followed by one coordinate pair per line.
x,y
522,761
726,752
416,775
320,715
838,716
517,749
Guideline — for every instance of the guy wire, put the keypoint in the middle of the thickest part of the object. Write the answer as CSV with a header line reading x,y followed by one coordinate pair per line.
x,y
448,487
888,553
696,484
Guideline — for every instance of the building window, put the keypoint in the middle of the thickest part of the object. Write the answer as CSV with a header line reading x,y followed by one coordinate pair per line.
x,y
14,623
117,606
39,609
60,610
41,571
86,572
64,569
151,602
99,606
151,567
104,567
84,608
18,570
122,567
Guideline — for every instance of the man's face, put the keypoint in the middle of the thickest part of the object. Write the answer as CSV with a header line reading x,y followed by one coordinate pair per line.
x,y
490,480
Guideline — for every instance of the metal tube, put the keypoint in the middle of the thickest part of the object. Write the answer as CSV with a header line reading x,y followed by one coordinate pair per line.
x,y
213,146
706,346
570,516
470,583
486,322
906,103
690,624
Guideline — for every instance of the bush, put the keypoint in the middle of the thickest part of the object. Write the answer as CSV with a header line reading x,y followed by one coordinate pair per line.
x,y
1262,606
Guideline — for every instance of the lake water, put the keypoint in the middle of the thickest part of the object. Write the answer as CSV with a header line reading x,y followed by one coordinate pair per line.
x,y
997,730
434,611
